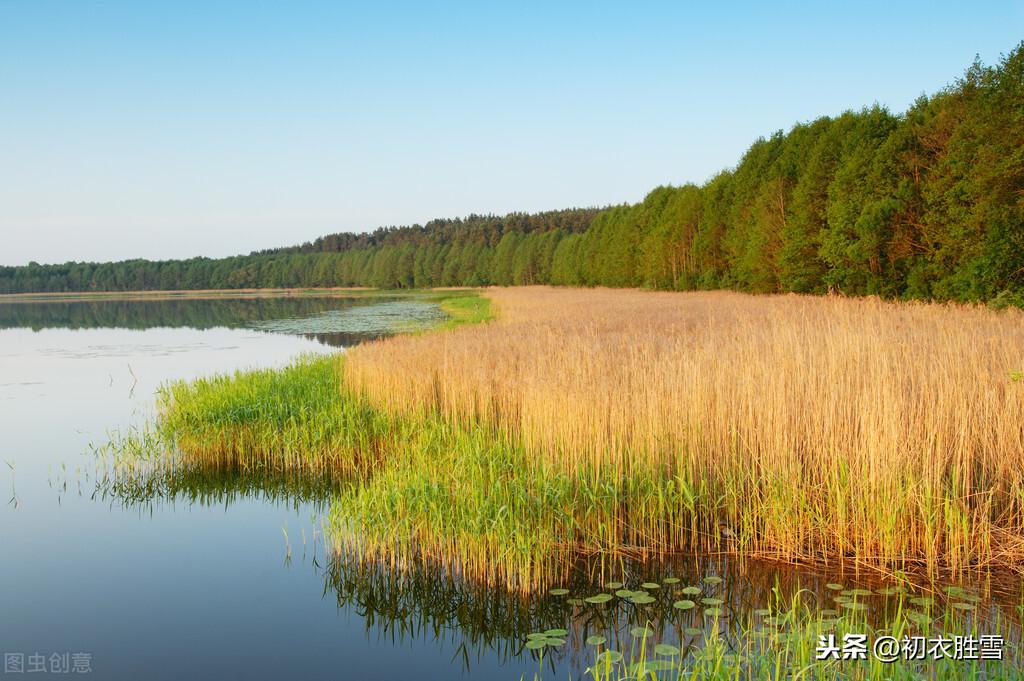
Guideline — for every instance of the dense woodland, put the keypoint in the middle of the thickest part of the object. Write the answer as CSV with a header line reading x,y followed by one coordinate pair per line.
x,y
926,204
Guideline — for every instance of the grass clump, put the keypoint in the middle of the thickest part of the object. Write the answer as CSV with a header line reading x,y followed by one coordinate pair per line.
x,y
272,419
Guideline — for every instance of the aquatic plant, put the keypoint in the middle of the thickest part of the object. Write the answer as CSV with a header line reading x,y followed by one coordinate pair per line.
x,y
800,428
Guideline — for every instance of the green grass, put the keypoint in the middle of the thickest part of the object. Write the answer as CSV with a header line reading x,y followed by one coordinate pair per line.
x,y
464,308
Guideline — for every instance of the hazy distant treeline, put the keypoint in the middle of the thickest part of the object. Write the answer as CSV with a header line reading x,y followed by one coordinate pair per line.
x,y
924,204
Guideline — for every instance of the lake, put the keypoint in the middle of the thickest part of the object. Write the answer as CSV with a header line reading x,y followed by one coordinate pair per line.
x,y
225,574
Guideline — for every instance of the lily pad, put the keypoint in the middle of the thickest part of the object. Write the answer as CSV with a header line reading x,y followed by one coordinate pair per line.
x,y
684,605
639,632
609,657
558,633
690,590
641,599
558,592
650,585
712,612
853,605
536,643
646,668
666,649
693,631
671,580
596,640
599,598
918,618
613,585
712,601
834,587
712,579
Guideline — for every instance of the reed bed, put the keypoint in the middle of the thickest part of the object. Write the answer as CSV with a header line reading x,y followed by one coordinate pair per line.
x,y
801,428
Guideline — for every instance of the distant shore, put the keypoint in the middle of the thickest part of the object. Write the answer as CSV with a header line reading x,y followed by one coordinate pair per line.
x,y
198,294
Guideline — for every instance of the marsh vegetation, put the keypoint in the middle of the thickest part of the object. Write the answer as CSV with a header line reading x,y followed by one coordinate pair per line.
x,y
874,442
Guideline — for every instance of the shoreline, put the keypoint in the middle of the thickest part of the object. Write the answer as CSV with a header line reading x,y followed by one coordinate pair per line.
x,y
186,294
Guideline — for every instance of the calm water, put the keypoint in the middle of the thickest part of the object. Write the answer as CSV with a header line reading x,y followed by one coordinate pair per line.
x,y
224,575
193,585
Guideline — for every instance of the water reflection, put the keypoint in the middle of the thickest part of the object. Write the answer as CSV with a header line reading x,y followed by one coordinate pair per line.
x,y
334,320
421,603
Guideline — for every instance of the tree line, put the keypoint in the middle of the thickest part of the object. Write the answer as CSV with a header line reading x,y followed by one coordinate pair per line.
x,y
927,204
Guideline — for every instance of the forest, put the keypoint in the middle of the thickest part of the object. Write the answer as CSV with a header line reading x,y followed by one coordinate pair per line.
x,y
926,204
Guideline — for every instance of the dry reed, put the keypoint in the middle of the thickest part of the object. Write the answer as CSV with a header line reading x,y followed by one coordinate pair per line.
x,y
796,427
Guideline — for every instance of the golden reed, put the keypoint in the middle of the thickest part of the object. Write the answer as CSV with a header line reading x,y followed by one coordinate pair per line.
x,y
805,427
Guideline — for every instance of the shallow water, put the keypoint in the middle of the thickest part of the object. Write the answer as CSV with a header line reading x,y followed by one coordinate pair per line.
x,y
224,574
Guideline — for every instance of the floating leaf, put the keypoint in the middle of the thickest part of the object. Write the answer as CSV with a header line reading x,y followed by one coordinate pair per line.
x,y
964,606
641,599
828,612
922,601
613,585
640,632
623,593
609,657
834,587
536,634
855,606
558,592
596,640
918,618
683,605
712,579
650,585
599,598
671,580
536,643
666,650
649,667
712,601
712,612
690,590
558,633
554,641
693,631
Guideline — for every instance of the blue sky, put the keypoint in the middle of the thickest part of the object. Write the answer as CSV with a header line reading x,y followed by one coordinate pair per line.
x,y
159,130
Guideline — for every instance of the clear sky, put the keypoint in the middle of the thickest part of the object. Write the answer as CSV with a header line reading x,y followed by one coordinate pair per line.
x,y
160,130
